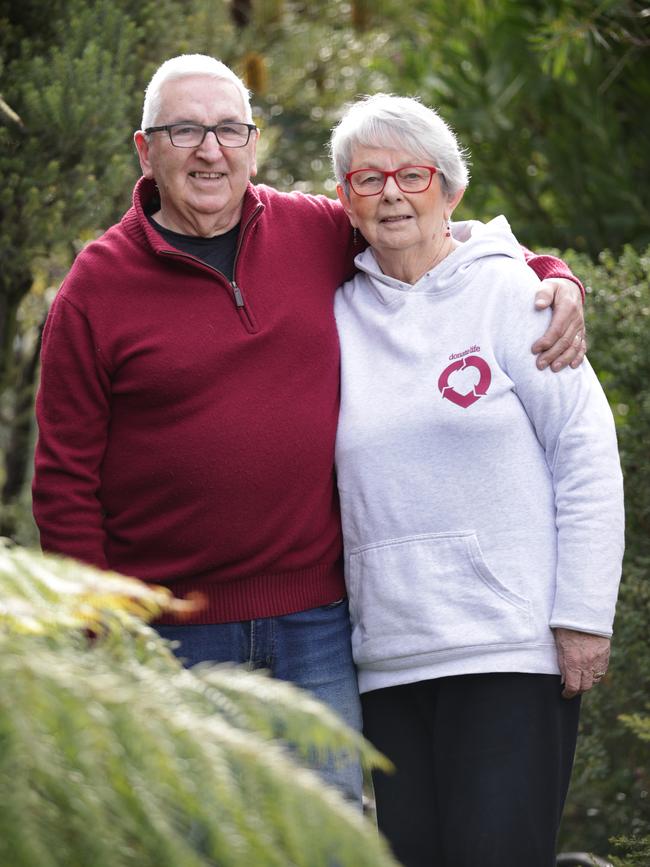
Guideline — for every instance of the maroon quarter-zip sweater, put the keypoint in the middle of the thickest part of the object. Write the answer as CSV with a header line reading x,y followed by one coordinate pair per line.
x,y
187,424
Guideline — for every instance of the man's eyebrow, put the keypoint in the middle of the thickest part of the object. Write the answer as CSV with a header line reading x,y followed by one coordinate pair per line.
x,y
198,122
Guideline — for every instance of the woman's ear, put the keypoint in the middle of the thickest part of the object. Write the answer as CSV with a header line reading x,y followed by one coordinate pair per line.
x,y
345,201
453,203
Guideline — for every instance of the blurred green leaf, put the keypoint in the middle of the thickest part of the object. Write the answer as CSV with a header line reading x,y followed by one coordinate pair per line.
x,y
112,754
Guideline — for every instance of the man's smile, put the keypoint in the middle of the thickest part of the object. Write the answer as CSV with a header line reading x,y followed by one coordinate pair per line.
x,y
207,176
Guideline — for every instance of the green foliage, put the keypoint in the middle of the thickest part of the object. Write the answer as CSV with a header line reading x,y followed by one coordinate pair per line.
x,y
638,723
610,793
550,97
551,100
636,852
112,754
65,168
618,319
67,82
314,60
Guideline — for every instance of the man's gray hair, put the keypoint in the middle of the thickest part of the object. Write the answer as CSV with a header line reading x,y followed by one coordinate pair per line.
x,y
180,67
388,121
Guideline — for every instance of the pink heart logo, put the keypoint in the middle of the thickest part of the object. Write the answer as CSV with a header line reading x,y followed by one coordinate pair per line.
x,y
479,389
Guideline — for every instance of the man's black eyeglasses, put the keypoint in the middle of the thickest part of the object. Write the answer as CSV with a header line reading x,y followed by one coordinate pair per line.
x,y
191,135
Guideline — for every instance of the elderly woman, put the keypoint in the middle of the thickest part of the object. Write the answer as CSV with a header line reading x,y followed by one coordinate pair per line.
x,y
482,509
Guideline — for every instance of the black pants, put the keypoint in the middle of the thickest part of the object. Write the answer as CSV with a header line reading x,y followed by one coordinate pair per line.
x,y
483,766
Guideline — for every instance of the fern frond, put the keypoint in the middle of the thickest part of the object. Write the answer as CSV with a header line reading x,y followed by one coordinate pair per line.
x,y
112,754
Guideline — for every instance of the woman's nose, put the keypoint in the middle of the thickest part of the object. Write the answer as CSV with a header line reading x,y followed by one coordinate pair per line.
x,y
391,190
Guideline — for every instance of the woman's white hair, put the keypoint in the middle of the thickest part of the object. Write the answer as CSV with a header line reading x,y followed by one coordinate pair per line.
x,y
184,65
400,122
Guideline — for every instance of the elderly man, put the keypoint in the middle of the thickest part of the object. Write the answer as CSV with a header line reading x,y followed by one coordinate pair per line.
x,y
189,394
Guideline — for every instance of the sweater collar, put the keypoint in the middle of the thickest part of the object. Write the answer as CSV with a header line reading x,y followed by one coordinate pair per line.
x,y
136,223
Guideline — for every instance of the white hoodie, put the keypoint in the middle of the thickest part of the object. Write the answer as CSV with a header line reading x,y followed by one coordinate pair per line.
x,y
481,498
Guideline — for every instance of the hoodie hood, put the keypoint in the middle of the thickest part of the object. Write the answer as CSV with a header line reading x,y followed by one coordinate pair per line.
x,y
478,241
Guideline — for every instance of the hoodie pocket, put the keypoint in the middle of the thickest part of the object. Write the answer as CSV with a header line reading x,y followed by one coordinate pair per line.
x,y
428,593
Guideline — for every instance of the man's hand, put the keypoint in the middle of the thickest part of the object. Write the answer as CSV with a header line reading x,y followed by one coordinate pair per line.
x,y
565,341
583,659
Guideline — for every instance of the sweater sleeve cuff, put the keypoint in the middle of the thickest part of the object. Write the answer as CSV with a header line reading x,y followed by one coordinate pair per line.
x,y
546,266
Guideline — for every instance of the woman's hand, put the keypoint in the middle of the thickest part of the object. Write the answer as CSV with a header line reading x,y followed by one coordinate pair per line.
x,y
583,659
565,340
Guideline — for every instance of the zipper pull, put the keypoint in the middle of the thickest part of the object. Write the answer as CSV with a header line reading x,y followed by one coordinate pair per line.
x,y
239,298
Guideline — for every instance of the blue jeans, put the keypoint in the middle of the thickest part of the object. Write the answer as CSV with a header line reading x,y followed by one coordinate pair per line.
x,y
311,649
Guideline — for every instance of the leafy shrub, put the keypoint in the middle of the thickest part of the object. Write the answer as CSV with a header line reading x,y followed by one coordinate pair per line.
x,y
610,793
112,754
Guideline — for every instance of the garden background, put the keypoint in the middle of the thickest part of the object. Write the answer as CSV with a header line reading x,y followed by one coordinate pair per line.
x,y
551,98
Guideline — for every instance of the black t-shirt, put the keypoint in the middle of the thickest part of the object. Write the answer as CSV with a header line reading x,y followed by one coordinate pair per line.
x,y
218,252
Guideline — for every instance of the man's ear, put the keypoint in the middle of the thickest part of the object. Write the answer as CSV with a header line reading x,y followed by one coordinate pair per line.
x,y
253,163
142,146
344,199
